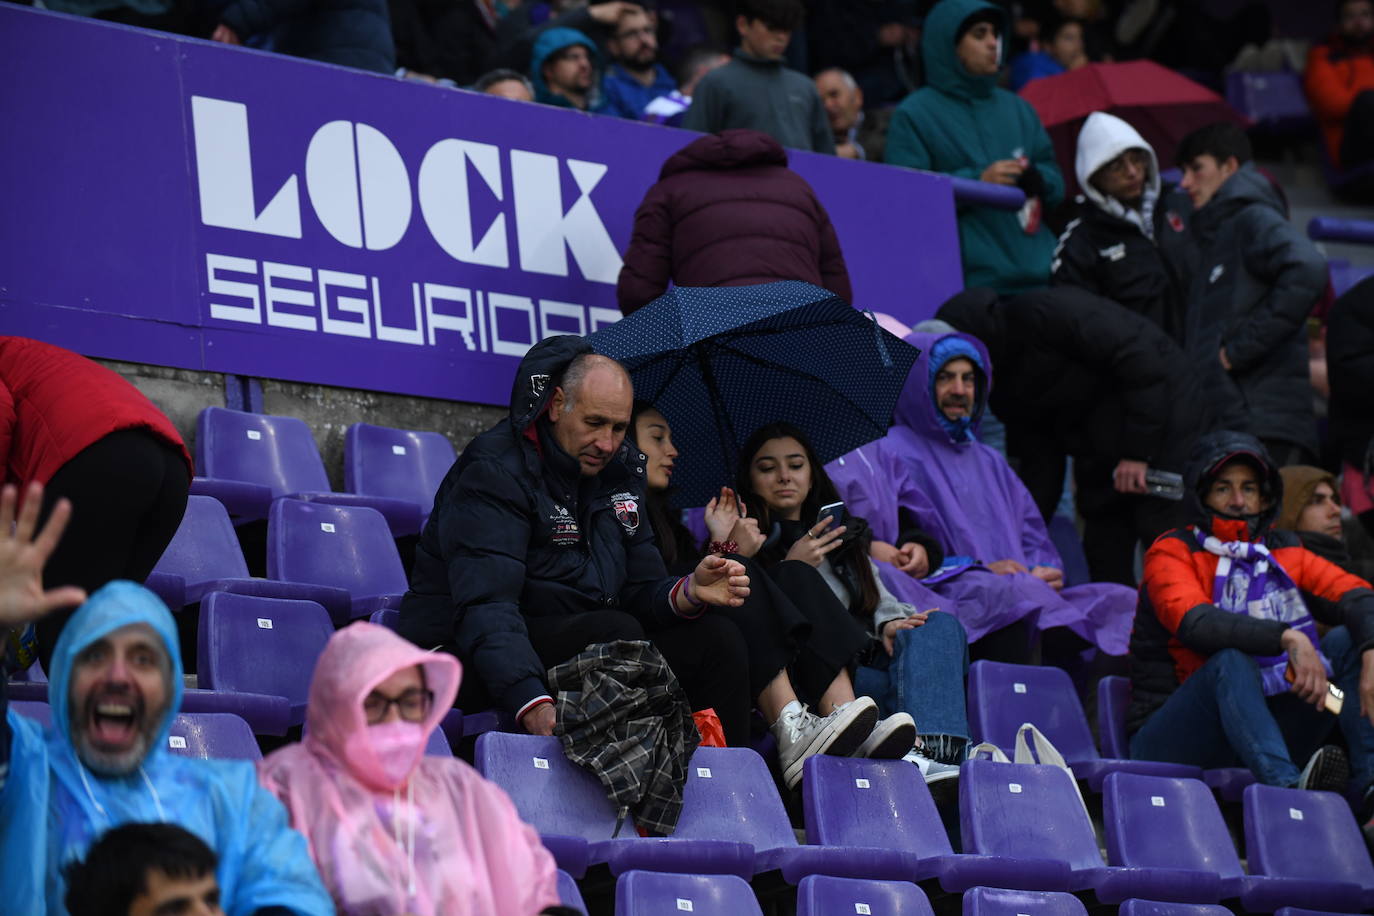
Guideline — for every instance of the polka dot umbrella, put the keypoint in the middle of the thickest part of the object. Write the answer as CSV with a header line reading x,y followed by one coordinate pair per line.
x,y
720,362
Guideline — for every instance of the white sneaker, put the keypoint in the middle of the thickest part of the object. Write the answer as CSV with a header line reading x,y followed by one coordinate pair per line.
x,y
932,771
800,733
891,738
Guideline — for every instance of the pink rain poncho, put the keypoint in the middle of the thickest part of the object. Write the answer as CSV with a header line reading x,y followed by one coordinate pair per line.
x,y
441,842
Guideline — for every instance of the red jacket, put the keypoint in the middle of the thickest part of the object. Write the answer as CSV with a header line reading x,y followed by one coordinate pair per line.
x,y
727,211
54,403
1336,73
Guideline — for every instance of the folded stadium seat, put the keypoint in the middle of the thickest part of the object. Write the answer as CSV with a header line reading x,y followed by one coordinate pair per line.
x,y
347,548
822,895
1310,836
646,893
883,810
1033,811
569,894
1002,696
205,556
995,901
212,736
1113,703
396,463
261,645
1134,907
569,808
276,457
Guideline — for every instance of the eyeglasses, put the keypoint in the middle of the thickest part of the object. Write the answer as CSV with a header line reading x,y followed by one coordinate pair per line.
x,y
1131,159
413,705
647,31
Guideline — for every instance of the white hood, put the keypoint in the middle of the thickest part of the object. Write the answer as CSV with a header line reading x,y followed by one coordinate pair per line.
x,y
1102,139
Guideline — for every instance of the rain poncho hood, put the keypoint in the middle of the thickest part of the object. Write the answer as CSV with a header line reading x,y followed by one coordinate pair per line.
x,y
947,350
53,807
1103,138
550,42
939,39
455,834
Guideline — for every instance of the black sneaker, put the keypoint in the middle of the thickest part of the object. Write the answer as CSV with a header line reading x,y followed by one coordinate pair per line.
x,y
1328,770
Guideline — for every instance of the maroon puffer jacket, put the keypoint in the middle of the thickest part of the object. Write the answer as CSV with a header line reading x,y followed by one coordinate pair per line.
x,y
727,211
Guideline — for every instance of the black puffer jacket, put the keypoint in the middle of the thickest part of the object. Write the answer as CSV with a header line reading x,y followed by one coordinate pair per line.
x,y
1256,279
351,33
517,532
1350,362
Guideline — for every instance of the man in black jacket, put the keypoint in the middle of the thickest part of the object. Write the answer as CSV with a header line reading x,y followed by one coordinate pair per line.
x,y
537,548
1083,376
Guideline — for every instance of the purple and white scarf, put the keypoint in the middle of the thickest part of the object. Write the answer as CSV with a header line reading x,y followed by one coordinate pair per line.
x,y
1250,581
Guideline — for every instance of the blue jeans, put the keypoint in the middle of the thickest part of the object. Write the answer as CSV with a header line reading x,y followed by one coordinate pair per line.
x,y
924,677
1220,717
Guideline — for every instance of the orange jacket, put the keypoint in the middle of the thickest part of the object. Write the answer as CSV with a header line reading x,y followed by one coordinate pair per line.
x,y
1336,73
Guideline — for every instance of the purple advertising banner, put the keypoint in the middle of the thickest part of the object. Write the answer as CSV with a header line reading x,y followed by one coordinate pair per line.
x,y
177,202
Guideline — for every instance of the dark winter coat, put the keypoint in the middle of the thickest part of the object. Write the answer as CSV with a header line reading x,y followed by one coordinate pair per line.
x,y
517,532
1350,367
727,211
1255,279
448,39
351,33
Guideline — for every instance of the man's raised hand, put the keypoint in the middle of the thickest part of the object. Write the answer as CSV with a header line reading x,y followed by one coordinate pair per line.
x,y
22,555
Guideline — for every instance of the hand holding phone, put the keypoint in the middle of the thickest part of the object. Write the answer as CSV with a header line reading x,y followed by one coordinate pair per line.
x,y
835,511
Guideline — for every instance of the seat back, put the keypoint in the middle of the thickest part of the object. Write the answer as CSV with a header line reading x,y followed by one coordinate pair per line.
x,y
1137,907
730,795
438,745
648,893
212,736
569,893
248,644
1025,811
1294,833
1113,702
399,463
1002,696
1157,822
33,709
822,895
387,617
551,793
277,452
991,901
851,801
348,547
205,546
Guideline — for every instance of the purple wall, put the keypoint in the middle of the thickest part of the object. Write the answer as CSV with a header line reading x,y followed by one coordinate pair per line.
x,y
182,203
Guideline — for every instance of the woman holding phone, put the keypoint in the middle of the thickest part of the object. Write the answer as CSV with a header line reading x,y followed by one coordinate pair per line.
x,y
800,640
917,659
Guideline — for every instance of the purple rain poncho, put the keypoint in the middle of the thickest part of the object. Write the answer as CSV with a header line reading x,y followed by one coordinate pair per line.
x,y
966,496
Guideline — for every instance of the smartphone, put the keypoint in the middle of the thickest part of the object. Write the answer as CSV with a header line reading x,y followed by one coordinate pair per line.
x,y
837,510
1334,700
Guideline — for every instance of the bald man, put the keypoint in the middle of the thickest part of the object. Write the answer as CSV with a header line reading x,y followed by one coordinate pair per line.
x,y
539,546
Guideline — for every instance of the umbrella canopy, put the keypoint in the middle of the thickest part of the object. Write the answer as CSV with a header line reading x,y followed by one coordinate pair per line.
x,y
721,362
1162,105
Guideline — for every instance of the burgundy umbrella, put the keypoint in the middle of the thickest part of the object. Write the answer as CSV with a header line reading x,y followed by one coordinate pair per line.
x,y
1163,105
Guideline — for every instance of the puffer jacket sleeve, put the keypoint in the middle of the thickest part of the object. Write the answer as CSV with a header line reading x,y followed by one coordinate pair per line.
x,y
648,264
1184,606
485,537
648,587
1349,600
1295,273
1074,259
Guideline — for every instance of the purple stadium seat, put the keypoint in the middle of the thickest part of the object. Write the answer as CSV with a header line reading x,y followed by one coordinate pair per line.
x,y
205,556
992,901
32,709
1033,811
261,645
822,895
1273,100
1113,703
266,714
568,892
1134,907
396,463
646,893
882,810
1310,837
1333,229
212,736
345,547
280,454
1002,696
1345,275
387,617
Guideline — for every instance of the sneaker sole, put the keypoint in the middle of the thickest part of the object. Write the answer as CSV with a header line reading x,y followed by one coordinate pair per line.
x,y
839,738
1329,772
894,745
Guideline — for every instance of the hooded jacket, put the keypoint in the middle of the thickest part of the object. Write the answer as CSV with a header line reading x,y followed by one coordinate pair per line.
x,y
469,852
1350,367
1115,251
1083,377
52,807
959,124
727,211
1176,624
1251,289
516,532
550,42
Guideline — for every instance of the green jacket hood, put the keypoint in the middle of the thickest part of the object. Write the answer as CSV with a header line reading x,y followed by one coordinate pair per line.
x,y
943,69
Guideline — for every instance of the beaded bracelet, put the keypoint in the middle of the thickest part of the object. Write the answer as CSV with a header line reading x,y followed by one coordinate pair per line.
x,y
724,547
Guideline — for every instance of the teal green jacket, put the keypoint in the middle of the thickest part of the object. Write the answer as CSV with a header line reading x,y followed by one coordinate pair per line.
x,y
959,124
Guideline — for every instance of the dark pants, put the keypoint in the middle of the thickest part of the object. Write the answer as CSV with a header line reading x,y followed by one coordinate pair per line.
x,y
1110,537
128,494
1357,143
1287,454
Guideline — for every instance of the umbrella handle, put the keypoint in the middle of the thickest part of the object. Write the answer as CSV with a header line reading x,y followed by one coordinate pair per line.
x,y
878,339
